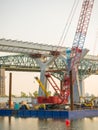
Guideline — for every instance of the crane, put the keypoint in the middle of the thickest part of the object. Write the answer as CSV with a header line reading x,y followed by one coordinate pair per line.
x,y
81,31
76,50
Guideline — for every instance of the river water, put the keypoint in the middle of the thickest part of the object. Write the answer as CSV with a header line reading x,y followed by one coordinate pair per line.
x,y
16,123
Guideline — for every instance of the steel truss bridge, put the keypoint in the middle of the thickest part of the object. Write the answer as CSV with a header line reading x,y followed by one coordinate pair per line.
x,y
27,53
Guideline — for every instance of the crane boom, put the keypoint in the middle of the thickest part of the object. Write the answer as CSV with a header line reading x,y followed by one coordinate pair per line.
x,y
81,30
62,94
73,56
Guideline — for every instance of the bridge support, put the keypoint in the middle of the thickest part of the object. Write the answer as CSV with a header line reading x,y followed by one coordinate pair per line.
x,y
44,66
2,82
82,89
78,91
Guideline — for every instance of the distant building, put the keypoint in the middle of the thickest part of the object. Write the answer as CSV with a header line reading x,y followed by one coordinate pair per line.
x,y
2,82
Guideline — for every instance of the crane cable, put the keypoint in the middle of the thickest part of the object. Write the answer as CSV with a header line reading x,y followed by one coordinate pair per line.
x,y
95,46
68,23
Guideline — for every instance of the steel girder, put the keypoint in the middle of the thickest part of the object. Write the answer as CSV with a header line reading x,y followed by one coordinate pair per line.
x,y
88,65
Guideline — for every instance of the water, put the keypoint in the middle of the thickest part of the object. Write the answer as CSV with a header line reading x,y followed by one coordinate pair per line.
x,y
13,123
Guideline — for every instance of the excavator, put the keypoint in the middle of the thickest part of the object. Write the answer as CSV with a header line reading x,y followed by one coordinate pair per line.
x,y
74,55
88,103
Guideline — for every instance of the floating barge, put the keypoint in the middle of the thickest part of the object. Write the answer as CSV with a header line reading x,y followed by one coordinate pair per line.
x,y
57,114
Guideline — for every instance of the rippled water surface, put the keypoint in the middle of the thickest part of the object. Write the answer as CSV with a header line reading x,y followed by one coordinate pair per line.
x,y
13,123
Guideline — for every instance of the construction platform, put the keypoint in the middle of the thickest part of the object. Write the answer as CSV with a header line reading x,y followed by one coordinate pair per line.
x,y
58,114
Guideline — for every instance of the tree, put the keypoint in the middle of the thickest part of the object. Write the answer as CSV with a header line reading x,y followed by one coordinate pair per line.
x,y
23,94
30,94
35,94
13,96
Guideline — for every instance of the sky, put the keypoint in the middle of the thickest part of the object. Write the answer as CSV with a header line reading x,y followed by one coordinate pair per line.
x,y
43,21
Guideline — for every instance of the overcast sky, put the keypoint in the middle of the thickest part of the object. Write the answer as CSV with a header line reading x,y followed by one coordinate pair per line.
x,y
43,21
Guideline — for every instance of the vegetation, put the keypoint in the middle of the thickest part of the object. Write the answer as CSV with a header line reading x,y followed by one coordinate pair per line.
x,y
23,94
35,94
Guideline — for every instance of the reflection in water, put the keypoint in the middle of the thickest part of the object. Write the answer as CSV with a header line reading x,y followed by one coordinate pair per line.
x,y
13,123
51,124
9,122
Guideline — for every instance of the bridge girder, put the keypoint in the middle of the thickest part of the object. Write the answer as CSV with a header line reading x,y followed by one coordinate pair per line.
x,y
29,51
14,46
88,65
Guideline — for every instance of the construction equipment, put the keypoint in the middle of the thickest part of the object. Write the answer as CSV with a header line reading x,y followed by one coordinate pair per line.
x,y
75,53
74,56
47,98
78,43
62,94
88,103
42,86
81,31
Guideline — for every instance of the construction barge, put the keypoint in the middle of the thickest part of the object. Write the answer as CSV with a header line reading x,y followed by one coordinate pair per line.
x,y
54,114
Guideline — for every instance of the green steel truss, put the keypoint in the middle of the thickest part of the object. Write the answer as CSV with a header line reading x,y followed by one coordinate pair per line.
x,y
88,65
19,63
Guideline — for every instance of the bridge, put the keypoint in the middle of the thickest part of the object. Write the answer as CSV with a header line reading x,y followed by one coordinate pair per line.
x,y
88,65
34,57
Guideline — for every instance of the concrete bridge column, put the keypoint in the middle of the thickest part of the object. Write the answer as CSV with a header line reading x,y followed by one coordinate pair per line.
x,y
44,66
82,89
2,82
78,90
43,79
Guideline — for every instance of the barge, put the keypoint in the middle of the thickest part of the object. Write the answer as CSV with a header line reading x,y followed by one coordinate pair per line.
x,y
57,114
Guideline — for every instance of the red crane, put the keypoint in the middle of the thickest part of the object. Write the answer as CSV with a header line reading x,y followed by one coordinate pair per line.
x,y
76,50
81,30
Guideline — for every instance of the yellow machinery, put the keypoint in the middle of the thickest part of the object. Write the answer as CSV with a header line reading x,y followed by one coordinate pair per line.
x,y
42,86
88,103
41,105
